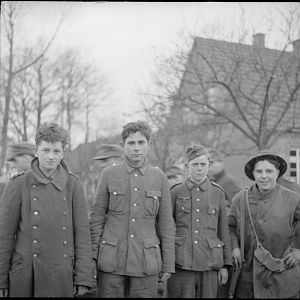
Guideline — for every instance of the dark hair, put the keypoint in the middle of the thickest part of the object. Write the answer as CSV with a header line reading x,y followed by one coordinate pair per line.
x,y
133,127
271,160
51,133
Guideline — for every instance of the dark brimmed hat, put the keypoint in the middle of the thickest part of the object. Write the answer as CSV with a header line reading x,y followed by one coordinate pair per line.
x,y
214,155
19,149
261,155
195,151
173,170
109,150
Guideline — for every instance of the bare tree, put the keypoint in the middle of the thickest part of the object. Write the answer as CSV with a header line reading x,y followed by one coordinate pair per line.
x,y
10,14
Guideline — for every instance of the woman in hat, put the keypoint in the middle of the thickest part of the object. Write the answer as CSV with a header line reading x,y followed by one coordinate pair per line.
x,y
270,268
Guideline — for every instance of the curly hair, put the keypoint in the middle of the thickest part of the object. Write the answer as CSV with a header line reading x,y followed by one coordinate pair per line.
x,y
133,127
51,133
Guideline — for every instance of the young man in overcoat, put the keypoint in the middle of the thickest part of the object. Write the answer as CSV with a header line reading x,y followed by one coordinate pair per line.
x,y
45,244
131,223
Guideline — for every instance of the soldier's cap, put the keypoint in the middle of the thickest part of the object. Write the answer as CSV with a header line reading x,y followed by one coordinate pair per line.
x,y
195,151
261,155
173,170
19,149
215,155
108,151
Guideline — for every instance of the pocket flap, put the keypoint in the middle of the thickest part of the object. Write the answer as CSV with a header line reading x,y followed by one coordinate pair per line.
x,y
212,210
116,190
110,241
153,194
215,243
151,242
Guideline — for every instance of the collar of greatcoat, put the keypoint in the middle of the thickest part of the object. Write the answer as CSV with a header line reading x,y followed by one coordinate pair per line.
x,y
191,184
59,179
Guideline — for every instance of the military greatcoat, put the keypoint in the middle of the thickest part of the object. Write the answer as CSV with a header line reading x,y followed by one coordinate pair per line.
x,y
274,216
45,245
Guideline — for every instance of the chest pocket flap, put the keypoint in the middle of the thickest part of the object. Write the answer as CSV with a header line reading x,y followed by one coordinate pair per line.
x,y
212,210
116,190
153,194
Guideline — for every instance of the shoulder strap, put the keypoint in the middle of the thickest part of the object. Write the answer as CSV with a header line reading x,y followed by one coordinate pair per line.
x,y
242,229
251,221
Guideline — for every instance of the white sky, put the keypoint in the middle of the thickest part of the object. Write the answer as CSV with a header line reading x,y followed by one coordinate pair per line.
x,y
122,38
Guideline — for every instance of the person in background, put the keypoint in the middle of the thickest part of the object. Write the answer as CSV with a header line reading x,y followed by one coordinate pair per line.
x,y
271,263
131,223
45,244
202,243
20,155
218,174
174,174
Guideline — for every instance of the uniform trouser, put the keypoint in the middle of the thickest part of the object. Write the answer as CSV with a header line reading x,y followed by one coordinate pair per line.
x,y
193,284
114,286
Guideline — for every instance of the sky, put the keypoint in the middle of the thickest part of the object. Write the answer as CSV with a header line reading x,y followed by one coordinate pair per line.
x,y
124,38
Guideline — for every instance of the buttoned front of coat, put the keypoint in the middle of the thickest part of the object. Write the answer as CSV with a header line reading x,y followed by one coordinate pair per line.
x,y
44,235
202,238
131,223
274,216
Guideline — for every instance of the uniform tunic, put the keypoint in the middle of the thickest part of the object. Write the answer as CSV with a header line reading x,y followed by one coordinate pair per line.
x,y
45,244
131,223
202,240
274,215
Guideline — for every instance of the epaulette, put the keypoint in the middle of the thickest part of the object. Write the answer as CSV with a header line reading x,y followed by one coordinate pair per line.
x,y
215,184
17,175
175,184
73,175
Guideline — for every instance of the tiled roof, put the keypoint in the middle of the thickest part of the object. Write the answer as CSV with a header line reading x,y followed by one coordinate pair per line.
x,y
247,71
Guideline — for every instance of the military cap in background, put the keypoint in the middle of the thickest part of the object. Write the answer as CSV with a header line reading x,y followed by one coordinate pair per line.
x,y
215,155
195,151
109,150
19,149
173,171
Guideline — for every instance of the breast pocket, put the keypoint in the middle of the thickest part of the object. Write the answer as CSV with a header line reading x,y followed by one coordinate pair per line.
x,y
212,216
117,201
183,204
152,202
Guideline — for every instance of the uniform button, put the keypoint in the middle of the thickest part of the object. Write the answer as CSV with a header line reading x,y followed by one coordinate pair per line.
x,y
155,198
196,231
197,210
134,204
64,213
197,199
133,220
197,189
182,207
35,255
33,185
34,241
103,242
213,211
65,242
131,235
34,227
196,242
65,255
261,221
34,199
219,245
36,213
65,199
115,193
64,228
197,220
135,189
136,175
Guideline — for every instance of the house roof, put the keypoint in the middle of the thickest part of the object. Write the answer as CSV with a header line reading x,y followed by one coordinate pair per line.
x,y
248,70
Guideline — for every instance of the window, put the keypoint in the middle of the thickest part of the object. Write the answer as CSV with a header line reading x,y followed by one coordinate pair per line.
x,y
294,164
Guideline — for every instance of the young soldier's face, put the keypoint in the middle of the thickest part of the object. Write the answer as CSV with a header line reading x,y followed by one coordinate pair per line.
x,y
49,155
265,175
136,147
198,168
